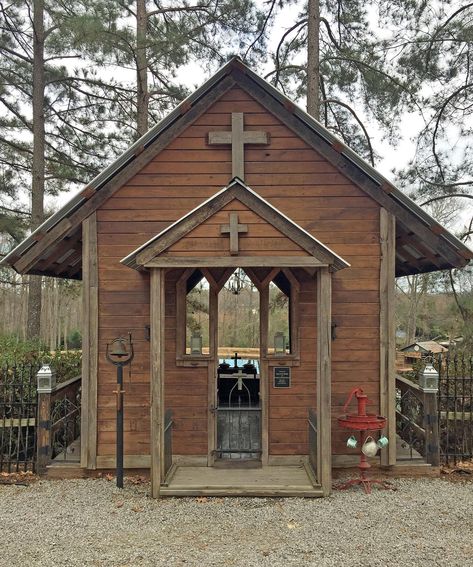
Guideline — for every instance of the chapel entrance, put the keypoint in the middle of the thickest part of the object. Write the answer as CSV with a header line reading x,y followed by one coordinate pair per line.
x,y
238,380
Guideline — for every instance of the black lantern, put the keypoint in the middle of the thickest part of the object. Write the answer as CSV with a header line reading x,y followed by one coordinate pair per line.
x,y
120,353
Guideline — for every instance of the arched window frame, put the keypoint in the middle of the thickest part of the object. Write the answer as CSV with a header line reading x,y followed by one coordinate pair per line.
x,y
263,286
195,360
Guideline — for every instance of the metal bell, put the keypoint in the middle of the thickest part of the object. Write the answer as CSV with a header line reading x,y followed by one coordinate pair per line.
x,y
119,348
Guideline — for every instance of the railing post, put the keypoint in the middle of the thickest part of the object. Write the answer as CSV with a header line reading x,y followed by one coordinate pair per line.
x,y
46,382
429,383
431,426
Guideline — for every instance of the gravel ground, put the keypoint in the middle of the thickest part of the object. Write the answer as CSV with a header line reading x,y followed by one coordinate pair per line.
x,y
92,523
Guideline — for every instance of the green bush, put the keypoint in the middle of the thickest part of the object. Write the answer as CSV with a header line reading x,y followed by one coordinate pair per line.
x,y
74,340
17,352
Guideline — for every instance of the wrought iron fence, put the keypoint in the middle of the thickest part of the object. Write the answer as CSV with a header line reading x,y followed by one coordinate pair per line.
x,y
65,420
455,407
18,406
410,420
447,415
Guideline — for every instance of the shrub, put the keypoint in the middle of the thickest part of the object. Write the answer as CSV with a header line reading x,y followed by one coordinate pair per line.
x,y
17,352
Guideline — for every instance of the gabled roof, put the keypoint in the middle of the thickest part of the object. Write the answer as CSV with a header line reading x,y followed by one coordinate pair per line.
x,y
427,346
235,190
422,244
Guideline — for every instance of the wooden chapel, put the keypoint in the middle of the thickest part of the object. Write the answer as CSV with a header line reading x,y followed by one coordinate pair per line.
x,y
237,177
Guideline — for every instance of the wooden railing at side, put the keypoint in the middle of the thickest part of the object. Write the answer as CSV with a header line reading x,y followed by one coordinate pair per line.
x,y
429,428
46,427
312,421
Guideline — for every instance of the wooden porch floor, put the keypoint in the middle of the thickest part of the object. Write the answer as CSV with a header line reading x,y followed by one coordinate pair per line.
x,y
264,481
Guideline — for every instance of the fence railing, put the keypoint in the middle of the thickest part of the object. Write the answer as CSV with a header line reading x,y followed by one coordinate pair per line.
x,y
18,405
313,440
168,423
455,407
58,423
416,422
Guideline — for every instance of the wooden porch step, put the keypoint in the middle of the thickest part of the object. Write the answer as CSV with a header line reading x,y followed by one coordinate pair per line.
x,y
242,491
58,470
265,481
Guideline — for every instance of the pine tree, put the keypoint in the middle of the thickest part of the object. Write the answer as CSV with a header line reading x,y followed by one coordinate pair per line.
x,y
50,127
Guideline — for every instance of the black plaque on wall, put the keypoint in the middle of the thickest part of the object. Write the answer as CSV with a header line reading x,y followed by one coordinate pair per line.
x,y
282,377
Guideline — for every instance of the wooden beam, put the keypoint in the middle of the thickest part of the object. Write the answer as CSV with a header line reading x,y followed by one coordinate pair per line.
x,y
387,332
231,261
324,396
212,376
157,347
60,250
29,258
89,343
264,372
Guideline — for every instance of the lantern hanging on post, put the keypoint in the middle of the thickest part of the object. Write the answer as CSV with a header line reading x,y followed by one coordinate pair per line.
x,y
120,353
279,343
196,343
46,378
429,379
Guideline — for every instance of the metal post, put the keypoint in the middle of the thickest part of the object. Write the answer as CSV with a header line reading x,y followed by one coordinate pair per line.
x,y
120,426
46,383
431,426
120,354
43,432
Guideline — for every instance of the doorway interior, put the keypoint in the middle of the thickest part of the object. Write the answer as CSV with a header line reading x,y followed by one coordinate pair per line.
x,y
238,376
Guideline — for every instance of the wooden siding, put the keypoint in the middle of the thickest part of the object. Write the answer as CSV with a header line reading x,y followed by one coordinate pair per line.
x,y
299,182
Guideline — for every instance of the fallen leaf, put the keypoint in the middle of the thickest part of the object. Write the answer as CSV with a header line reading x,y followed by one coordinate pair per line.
x,y
109,477
202,499
120,504
292,525
137,509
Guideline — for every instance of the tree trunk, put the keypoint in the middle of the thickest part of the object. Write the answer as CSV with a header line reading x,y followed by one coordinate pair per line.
x,y
141,68
313,59
37,188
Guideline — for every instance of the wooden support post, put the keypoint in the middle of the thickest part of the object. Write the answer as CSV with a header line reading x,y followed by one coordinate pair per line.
x,y
431,426
90,332
43,432
212,376
157,308
387,332
324,377
264,372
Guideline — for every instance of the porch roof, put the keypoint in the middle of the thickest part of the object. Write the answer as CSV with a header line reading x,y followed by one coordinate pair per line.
x,y
55,248
143,256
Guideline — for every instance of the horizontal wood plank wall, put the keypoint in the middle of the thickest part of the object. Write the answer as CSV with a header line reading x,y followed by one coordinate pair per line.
x,y
295,179
288,408
186,389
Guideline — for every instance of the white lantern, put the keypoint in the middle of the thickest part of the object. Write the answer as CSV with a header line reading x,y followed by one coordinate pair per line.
x,y
279,343
196,344
429,379
46,379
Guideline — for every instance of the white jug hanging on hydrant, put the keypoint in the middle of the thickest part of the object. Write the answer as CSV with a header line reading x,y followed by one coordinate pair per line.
x,y
370,448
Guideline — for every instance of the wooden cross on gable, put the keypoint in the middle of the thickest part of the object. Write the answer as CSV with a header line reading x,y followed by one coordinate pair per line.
x,y
238,137
234,228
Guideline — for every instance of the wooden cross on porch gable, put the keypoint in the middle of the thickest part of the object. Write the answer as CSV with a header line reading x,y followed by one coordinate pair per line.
x,y
234,229
238,137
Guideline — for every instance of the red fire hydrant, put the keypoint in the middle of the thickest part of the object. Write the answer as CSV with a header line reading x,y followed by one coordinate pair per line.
x,y
362,422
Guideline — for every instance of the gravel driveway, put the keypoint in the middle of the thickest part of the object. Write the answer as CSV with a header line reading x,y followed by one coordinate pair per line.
x,y
91,523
